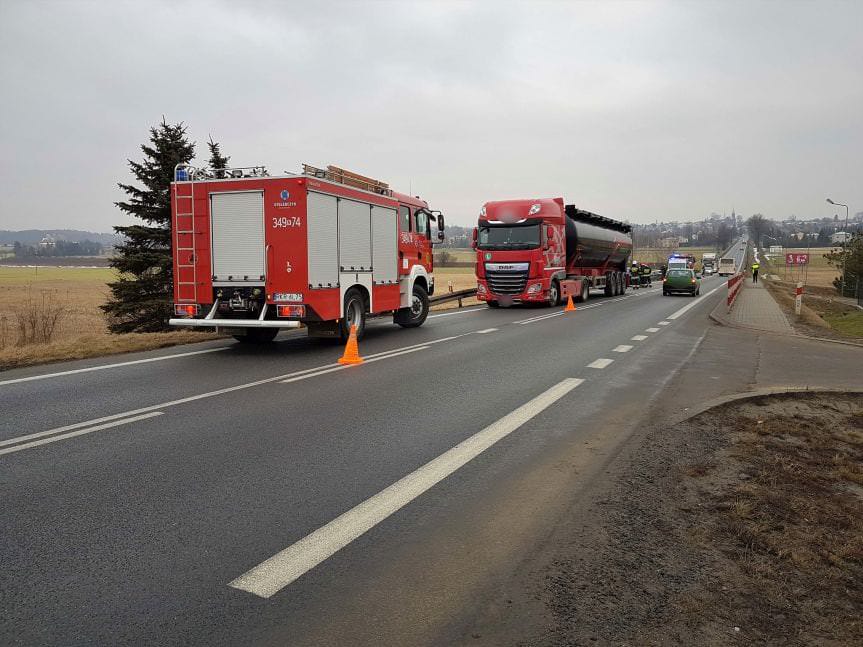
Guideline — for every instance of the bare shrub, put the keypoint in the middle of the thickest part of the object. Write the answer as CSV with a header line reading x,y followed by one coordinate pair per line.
x,y
38,320
5,333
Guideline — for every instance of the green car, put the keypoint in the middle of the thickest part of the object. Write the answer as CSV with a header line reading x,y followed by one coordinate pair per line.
x,y
678,281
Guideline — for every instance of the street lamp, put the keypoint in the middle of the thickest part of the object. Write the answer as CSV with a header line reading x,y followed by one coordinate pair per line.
x,y
844,243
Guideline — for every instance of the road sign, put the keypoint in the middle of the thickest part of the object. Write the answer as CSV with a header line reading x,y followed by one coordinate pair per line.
x,y
797,259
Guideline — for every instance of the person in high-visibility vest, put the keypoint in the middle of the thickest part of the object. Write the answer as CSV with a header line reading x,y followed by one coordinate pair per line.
x,y
755,267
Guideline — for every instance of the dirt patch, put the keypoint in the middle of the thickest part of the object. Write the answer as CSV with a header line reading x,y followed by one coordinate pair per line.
x,y
743,525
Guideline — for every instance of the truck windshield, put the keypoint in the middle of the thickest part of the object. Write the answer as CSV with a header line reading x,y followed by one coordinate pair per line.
x,y
519,237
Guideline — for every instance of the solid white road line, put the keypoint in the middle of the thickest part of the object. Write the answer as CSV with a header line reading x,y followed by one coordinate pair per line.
x,y
524,322
80,432
460,312
209,394
45,376
269,577
638,337
686,308
664,323
623,348
487,330
651,330
539,317
366,360
600,363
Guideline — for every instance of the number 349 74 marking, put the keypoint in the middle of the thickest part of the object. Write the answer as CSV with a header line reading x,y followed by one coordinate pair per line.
x,y
286,221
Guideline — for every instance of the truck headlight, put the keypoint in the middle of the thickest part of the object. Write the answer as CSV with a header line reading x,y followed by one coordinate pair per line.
x,y
533,289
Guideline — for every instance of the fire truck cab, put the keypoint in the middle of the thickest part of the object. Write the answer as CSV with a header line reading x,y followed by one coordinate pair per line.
x,y
254,254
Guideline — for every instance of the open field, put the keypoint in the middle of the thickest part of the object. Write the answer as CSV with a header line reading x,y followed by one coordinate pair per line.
x,y
819,272
74,295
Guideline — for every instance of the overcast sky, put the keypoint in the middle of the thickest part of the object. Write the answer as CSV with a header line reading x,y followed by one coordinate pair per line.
x,y
637,110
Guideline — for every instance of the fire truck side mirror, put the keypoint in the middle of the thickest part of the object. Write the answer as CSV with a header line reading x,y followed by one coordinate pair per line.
x,y
473,239
440,227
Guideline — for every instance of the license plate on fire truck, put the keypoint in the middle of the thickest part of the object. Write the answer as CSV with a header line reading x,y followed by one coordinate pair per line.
x,y
287,296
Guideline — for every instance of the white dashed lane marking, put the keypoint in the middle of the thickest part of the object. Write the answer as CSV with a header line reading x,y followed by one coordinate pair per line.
x,y
602,362
664,323
623,348
651,330
639,337
487,330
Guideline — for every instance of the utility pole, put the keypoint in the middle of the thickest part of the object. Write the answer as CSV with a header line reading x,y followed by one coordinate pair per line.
x,y
844,244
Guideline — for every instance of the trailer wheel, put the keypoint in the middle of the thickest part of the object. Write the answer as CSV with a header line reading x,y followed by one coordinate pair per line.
x,y
415,315
621,283
355,314
258,336
554,294
585,292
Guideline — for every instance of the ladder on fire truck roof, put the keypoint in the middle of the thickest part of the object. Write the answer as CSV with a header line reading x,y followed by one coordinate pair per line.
x,y
348,178
184,210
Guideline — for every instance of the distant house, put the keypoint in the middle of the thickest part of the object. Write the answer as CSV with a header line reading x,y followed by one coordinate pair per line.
x,y
669,242
775,249
47,242
840,237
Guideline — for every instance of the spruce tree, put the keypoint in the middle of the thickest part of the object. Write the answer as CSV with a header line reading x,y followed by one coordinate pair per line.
x,y
141,299
217,160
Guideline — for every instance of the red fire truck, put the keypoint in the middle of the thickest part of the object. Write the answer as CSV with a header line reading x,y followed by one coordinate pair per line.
x,y
544,251
254,253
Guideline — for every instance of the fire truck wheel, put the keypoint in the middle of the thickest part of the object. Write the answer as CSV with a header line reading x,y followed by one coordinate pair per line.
x,y
415,315
355,314
258,336
554,294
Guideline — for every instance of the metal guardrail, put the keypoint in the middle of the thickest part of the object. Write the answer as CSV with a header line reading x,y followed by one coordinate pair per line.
x,y
452,296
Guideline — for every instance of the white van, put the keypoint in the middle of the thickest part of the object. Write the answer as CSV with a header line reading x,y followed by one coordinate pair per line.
x,y
727,267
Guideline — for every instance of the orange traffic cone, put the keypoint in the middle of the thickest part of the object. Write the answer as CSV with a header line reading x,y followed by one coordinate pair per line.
x,y
352,351
570,306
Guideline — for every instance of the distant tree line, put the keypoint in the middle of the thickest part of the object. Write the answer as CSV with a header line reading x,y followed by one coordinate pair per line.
x,y
58,248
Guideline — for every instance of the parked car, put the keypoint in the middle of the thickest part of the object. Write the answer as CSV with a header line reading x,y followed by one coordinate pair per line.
x,y
681,281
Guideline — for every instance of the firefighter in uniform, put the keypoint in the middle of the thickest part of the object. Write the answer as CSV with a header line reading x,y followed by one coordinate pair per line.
x,y
755,267
646,272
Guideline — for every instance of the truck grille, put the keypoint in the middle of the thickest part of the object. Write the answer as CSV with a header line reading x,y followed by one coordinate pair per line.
x,y
506,282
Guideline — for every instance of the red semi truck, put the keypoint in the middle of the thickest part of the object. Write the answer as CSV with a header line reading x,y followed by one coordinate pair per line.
x,y
254,253
544,251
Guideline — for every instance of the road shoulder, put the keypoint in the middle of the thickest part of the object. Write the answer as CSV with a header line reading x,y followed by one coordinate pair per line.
x,y
595,578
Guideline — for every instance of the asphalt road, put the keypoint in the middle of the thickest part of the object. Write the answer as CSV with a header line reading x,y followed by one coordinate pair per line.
x,y
271,496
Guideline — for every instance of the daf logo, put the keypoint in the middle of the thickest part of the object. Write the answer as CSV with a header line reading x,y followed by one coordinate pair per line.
x,y
284,195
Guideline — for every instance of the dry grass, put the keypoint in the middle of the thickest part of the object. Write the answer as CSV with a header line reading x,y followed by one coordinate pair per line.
x,y
819,273
52,314
461,278
792,521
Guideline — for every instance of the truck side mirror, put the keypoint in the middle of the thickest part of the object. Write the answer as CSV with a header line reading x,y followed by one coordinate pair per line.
x,y
473,239
440,227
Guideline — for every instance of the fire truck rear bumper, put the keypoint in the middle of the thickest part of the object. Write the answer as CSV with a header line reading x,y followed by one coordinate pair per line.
x,y
232,323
